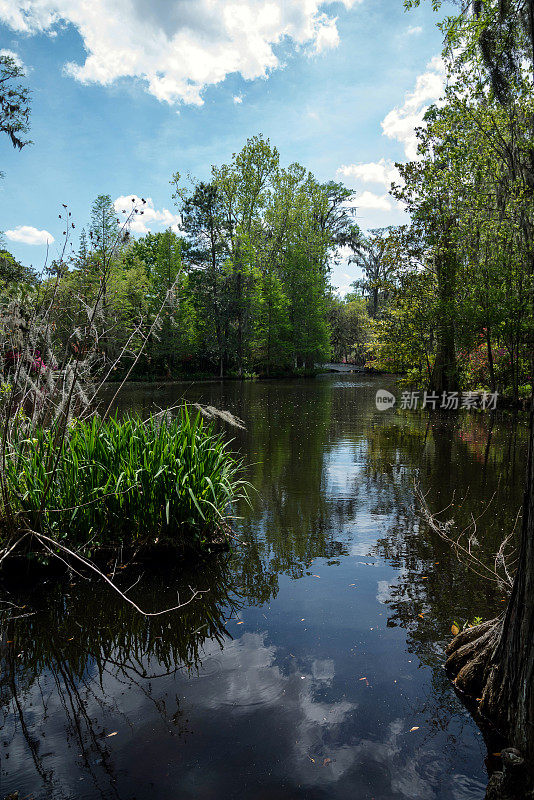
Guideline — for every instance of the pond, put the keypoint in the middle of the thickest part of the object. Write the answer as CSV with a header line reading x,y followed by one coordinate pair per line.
x,y
312,668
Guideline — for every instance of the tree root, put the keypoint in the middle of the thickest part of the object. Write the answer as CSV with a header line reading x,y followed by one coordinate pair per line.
x,y
469,655
474,669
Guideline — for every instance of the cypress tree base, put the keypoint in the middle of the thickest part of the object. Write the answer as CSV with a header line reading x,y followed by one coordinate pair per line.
x,y
483,683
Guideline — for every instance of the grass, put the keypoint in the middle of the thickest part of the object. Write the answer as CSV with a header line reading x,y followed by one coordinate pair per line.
x,y
125,482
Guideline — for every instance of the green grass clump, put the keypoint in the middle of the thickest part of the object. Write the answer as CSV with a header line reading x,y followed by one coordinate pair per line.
x,y
125,481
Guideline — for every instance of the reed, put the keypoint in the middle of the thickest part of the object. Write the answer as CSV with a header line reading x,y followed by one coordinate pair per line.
x,y
124,481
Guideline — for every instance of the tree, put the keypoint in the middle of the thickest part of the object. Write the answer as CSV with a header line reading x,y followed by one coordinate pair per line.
x,y
104,228
259,240
12,271
428,191
405,333
168,296
202,216
14,102
244,186
350,328
494,663
104,236
373,255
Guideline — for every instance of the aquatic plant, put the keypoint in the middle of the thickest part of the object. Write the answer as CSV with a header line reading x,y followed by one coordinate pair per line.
x,y
124,482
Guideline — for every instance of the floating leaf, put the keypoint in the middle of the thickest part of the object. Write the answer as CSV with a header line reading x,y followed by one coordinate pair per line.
x,y
415,728
112,734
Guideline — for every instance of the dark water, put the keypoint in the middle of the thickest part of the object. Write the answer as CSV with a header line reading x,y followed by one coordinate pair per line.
x,y
313,666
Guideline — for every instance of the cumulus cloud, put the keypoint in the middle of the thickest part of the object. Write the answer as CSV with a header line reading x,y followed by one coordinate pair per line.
x,y
400,124
327,36
178,48
377,202
382,172
414,30
150,217
26,234
401,121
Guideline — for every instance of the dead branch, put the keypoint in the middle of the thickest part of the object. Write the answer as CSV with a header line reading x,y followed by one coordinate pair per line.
x,y
48,543
464,541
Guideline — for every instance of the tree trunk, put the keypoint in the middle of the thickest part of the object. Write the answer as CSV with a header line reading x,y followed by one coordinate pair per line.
x,y
493,664
445,372
491,365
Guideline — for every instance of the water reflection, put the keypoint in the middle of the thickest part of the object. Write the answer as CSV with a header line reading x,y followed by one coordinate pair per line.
x,y
312,667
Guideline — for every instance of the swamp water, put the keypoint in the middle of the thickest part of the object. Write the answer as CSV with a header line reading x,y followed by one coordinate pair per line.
x,y
312,668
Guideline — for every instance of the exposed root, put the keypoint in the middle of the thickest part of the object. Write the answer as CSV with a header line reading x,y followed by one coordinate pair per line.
x,y
469,657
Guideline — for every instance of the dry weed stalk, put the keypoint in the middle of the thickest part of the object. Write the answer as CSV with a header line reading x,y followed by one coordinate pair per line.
x,y
464,542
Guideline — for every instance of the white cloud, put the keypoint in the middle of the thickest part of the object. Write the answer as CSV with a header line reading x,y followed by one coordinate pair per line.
x,y
399,124
371,200
29,235
382,172
150,217
178,48
401,121
238,99
327,36
414,30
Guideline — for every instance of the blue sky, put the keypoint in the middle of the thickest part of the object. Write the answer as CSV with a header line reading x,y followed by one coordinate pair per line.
x,y
126,93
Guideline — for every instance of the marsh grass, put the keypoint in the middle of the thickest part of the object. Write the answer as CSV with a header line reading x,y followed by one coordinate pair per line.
x,y
125,482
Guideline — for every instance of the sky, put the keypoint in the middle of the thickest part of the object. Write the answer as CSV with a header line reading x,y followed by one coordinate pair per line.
x,y
125,93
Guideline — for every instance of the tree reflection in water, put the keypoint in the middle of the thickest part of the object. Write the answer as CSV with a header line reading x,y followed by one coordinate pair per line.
x,y
100,702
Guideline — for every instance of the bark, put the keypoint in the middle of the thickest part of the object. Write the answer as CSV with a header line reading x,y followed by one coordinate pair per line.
x,y
445,372
491,365
492,665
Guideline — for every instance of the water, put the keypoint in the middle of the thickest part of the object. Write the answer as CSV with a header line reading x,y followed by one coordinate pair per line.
x,y
312,668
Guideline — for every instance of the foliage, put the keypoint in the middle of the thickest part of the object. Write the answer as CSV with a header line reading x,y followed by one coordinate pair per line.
x,y
14,102
470,202
124,482
404,334
259,239
351,329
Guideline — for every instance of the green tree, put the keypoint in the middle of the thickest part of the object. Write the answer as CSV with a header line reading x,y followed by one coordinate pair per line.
x,y
14,102
494,663
351,329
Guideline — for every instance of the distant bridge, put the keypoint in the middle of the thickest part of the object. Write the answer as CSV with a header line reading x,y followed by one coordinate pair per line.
x,y
342,367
